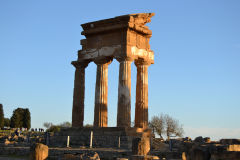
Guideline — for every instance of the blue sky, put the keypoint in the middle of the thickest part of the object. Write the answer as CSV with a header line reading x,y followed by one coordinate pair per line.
x,y
195,78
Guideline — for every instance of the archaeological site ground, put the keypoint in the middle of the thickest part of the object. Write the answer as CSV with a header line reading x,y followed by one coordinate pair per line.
x,y
126,39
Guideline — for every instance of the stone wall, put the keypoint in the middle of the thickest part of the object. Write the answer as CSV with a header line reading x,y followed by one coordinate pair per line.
x,y
106,137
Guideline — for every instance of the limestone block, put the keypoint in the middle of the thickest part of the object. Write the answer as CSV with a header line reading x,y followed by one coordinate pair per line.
x,y
233,147
230,141
184,156
146,157
38,151
225,156
7,142
85,156
141,146
91,156
207,140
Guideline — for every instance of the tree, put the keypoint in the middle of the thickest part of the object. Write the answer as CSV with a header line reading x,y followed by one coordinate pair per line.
x,y
157,123
47,124
26,119
21,118
54,128
65,124
173,128
1,116
164,124
88,125
15,121
6,122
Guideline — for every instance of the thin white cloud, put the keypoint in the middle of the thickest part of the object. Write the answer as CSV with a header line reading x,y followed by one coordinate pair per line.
x,y
213,133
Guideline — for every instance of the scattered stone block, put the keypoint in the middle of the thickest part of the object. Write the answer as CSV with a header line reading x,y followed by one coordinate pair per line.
x,y
7,142
38,151
146,157
207,140
141,146
233,147
230,141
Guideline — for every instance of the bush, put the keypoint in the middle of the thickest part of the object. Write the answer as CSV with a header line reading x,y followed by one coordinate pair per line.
x,y
54,129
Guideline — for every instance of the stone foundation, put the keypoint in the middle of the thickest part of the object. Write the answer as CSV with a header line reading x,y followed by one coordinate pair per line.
x,y
104,137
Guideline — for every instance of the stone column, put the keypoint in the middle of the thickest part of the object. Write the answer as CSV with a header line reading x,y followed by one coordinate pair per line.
x,y
141,106
78,95
101,93
124,94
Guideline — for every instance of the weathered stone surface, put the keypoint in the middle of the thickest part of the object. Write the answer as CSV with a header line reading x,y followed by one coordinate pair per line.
x,y
131,37
141,146
38,151
7,142
230,141
141,106
233,147
124,94
125,38
78,94
207,140
84,156
146,157
226,155
101,93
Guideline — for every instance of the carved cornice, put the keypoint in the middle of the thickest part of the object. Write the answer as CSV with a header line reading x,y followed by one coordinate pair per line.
x,y
135,22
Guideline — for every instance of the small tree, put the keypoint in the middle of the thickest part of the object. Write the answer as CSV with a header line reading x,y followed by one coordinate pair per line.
x,y
173,128
47,124
88,125
1,116
65,124
157,123
164,124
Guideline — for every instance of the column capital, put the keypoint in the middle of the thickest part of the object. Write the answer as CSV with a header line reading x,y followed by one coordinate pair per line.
x,y
122,59
142,62
105,60
80,64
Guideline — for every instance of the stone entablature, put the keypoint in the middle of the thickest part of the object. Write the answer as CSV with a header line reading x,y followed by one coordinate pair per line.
x,y
119,37
126,39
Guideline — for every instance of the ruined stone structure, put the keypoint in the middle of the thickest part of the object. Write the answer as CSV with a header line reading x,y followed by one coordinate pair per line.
x,y
126,39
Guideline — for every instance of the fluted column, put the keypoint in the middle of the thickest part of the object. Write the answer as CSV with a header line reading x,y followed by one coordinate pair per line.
x,y
124,94
78,94
101,93
141,106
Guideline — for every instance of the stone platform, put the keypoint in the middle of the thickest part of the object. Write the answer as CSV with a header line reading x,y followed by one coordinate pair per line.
x,y
104,137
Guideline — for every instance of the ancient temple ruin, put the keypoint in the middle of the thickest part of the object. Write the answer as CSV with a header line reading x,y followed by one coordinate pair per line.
x,y
126,39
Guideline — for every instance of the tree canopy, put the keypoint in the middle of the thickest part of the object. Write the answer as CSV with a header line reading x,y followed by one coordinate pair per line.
x,y
165,124
21,118
6,122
